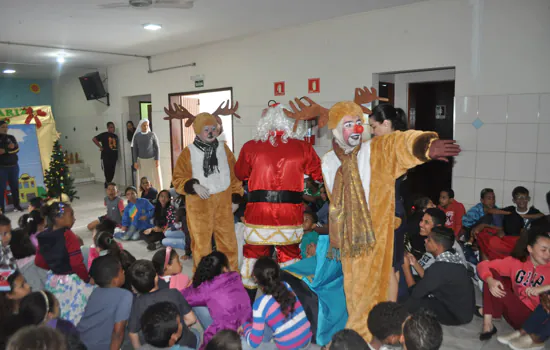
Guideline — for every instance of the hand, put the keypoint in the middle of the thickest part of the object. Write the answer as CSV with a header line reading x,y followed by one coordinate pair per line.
x,y
534,291
101,149
2,151
496,288
136,166
441,149
500,233
147,232
240,330
124,228
311,250
201,191
412,259
476,230
11,146
157,163
143,218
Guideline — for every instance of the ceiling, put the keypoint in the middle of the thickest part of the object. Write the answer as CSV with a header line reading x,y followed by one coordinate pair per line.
x,y
83,24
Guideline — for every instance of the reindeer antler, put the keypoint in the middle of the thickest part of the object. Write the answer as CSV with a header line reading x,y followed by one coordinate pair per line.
x,y
179,112
226,110
301,111
364,96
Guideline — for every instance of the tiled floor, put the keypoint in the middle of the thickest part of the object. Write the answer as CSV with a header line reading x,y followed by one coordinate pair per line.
x,y
90,206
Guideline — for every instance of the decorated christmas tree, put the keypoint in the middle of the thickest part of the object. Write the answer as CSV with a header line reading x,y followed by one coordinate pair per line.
x,y
57,179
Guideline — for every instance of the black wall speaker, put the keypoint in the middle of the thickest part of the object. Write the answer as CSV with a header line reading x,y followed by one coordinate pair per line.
x,y
92,86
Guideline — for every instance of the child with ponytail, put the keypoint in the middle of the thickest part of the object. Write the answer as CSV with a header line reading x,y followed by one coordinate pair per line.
x,y
168,267
277,313
32,223
59,252
223,294
104,243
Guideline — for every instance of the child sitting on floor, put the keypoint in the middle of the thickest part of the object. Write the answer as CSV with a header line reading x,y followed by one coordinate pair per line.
x,y
177,235
59,252
168,267
7,261
137,216
222,292
104,321
225,340
163,219
310,237
35,203
147,191
24,253
32,223
162,327
114,205
12,291
277,310
454,210
385,323
347,339
104,243
422,331
145,282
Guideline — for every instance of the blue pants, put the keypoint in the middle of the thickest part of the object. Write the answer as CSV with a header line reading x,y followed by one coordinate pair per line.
x,y
538,323
9,175
203,315
174,239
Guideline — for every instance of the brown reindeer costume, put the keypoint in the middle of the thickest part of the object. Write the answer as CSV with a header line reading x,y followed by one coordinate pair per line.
x,y
204,172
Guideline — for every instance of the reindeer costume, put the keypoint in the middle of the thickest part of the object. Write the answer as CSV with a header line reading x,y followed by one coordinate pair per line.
x,y
204,172
360,181
274,164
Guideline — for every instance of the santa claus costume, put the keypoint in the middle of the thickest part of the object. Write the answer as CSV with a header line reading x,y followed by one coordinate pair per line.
x,y
204,174
360,181
274,164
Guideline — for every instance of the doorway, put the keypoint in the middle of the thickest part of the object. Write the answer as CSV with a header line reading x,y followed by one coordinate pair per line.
x,y
204,101
432,107
146,112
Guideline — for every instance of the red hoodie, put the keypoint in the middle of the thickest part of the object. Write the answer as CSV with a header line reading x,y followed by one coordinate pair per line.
x,y
454,213
522,275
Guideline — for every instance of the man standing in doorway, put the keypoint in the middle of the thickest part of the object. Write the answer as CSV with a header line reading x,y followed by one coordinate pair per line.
x,y
108,145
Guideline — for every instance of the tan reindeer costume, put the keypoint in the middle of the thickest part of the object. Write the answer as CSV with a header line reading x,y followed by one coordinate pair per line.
x,y
204,172
360,181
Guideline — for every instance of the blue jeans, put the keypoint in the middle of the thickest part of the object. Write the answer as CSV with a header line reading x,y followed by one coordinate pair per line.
x,y
174,239
538,323
9,175
203,315
131,234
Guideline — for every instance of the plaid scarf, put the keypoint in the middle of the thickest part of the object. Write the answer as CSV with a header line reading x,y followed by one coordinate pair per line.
x,y
450,256
210,162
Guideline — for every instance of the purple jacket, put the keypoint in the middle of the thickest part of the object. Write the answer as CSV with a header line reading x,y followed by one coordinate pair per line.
x,y
227,301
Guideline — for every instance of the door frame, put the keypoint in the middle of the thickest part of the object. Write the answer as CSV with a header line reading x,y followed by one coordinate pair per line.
x,y
198,92
150,117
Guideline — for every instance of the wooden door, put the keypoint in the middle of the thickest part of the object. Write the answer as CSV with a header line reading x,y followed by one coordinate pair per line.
x,y
180,135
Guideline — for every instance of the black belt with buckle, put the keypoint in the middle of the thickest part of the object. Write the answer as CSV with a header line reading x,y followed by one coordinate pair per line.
x,y
266,196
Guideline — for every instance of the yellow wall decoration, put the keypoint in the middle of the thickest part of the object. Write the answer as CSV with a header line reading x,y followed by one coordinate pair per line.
x,y
35,88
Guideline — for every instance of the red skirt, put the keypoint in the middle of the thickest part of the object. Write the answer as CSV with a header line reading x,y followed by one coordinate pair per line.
x,y
493,246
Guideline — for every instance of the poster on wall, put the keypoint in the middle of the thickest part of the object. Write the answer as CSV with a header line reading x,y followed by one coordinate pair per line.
x,y
35,132
31,174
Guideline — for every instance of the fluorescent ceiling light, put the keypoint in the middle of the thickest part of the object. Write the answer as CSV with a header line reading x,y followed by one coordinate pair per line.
x,y
8,71
151,26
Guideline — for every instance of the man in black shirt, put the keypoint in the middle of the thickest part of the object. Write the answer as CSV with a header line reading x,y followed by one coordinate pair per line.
x,y
108,145
9,167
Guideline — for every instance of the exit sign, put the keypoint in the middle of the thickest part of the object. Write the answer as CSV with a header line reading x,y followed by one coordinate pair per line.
x,y
199,83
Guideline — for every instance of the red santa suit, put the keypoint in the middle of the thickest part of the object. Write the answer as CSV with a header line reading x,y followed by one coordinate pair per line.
x,y
274,165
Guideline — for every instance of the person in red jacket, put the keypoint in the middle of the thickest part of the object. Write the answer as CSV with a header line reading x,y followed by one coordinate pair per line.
x,y
59,252
274,164
513,284
454,210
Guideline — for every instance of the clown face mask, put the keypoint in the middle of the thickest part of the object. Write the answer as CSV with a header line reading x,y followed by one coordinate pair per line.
x,y
352,130
209,133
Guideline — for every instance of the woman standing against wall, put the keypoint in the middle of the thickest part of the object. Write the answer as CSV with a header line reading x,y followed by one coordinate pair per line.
x,y
145,149
9,166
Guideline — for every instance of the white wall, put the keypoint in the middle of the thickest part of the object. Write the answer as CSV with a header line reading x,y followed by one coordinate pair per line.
x,y
498,47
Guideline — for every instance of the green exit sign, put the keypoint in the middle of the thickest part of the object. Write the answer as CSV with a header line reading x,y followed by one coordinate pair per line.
x,y
199,83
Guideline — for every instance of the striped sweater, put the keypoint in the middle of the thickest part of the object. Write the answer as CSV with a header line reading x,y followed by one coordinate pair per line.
x,y
289,333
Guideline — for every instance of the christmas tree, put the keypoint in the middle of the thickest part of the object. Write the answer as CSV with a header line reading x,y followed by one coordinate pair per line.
x,y
57,178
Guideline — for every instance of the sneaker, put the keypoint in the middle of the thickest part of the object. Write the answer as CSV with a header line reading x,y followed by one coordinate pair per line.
x,y
17,208
507,338
525,342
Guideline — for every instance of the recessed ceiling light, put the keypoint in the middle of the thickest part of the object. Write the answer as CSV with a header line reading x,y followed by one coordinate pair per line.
x,y
151,26
384,84
8,71
60,59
